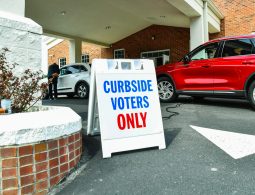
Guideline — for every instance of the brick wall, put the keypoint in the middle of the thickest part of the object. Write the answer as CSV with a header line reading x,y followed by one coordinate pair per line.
x,y
36,168
93,51
107,53
239,17
166,37
59,51
62,50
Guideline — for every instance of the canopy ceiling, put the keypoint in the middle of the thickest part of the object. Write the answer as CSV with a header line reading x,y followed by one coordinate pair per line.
x,y
102,21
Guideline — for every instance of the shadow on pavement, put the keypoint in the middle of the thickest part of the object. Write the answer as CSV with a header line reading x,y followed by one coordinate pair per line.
x,y
91,145
170,135
219,102
230,103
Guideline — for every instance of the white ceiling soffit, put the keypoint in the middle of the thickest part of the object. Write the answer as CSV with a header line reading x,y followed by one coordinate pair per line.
x,y
104,22
194,8
190,8
213,22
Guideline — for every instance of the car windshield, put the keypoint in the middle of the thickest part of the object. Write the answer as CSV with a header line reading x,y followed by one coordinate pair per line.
x,y
73,69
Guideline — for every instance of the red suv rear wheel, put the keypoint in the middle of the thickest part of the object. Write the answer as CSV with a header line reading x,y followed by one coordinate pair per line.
x,y
251,94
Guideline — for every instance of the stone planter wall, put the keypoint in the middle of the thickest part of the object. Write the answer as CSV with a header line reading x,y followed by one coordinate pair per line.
x,y
35,168
23,37
38,149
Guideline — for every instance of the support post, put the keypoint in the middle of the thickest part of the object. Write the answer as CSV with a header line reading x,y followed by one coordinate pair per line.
x,y
75,50
205,19
196,32
21,35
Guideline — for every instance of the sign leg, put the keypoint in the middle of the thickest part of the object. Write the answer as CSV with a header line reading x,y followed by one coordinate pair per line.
x,y
107,154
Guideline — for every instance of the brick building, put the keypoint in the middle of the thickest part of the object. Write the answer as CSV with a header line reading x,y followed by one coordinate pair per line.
x,y
166,43
60,53
152,42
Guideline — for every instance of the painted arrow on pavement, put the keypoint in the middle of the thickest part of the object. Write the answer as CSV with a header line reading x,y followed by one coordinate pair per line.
x,y
236,145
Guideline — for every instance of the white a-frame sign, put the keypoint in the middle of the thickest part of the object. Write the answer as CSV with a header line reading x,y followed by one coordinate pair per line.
x,y
129,114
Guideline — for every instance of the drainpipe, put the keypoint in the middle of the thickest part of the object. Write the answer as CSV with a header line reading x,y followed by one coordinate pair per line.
x,y
205,20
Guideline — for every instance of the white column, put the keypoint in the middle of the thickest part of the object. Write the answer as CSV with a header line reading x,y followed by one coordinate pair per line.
x,y
205,18
196,31
13,6
75,50
21,35
44,58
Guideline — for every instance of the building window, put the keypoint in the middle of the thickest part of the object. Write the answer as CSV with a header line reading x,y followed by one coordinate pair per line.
x,y
119,53
85,58
62,61
160,57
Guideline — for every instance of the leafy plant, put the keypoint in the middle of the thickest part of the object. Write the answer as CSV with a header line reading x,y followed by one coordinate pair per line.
x,y
24,91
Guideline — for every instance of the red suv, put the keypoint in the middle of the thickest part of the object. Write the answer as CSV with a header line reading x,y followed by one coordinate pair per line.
x,y
219,68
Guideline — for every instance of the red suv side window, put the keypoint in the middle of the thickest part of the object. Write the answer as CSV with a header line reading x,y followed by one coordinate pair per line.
x,y
237,47
206,52
253,49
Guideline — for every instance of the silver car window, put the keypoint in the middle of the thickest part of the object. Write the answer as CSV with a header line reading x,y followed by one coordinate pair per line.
x,y
73,69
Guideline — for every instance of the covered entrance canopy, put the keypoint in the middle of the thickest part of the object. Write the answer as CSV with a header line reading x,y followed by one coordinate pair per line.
x,y
105,22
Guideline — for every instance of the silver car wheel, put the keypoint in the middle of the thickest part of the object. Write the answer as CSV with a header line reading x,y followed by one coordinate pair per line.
x,y
165,90
82,90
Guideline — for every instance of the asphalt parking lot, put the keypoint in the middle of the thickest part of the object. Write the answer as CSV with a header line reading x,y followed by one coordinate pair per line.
x,y
191,164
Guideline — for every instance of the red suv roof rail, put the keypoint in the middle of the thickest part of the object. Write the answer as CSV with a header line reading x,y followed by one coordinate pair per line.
x,y
233,37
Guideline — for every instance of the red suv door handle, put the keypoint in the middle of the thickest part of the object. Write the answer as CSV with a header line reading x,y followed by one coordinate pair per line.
x,y
248,62
206,66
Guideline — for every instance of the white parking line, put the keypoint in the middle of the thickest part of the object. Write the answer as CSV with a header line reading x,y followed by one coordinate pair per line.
x,y
236,145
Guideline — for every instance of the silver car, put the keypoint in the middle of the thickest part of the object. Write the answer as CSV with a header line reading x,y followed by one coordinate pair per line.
x,y
73,80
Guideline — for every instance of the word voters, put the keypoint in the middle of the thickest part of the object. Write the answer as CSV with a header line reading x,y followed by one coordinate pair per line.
x,y
128,105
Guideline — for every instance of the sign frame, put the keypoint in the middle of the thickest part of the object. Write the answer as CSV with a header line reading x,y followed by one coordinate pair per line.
x,y
110,69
